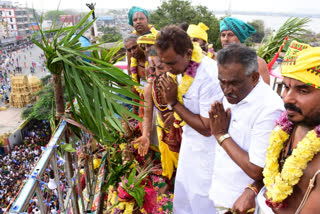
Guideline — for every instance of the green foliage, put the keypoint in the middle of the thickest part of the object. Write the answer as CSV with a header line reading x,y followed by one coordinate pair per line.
x,y
45,80
42,109
179,11
67,147
94,85
53,14
111,55
257,36
111,34
294,27
26,112
133,186
116,168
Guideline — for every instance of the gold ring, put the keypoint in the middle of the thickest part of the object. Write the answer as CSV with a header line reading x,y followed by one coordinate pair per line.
x,y
215,116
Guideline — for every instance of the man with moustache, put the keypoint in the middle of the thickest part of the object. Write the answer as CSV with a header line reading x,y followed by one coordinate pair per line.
x,y
131,46
138,19
190,97
293,158
233,30
241,124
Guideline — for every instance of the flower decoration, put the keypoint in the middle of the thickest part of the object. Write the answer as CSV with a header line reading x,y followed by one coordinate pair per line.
x,y
279,185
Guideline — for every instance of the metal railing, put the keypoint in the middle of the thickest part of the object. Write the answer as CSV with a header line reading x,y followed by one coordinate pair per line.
x,y
34,186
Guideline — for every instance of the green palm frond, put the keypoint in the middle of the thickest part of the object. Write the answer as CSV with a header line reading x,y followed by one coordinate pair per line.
x,y
93,87
293,27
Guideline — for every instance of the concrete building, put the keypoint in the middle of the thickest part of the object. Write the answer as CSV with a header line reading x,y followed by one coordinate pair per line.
x,y
16,24
106,21
69,20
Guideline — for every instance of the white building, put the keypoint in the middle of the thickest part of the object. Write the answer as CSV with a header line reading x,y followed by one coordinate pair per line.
x,y
8,20
15,24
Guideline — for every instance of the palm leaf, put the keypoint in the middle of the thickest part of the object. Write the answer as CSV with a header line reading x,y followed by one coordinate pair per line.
x,y
93,86
292,27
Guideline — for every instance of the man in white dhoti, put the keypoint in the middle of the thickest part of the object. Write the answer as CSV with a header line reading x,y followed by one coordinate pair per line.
x,y
191,89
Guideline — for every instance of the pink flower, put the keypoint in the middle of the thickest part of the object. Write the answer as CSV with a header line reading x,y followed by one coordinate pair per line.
x,y
125,181
155,178
131,186
317,130
192,69
284,123
134,70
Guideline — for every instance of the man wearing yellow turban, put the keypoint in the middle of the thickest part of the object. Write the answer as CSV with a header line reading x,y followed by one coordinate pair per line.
x,y
198,33
139,20
302,63
292,160
147,40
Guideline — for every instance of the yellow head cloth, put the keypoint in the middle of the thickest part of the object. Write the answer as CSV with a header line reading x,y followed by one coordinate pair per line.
x,y
148,38
196,52
302,62
198,31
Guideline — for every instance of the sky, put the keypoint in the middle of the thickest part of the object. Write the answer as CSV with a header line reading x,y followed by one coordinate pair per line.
x,y
292,6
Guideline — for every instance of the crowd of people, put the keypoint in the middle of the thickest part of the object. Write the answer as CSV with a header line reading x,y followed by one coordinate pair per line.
x,y
16,165
231,143
17,62
214,115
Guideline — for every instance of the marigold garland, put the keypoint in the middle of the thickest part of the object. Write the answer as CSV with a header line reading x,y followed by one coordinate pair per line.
x,y
187,79
279,185
134,74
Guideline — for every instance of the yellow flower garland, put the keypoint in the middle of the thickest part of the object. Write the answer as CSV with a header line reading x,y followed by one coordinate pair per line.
x,y
184,86
134,74
186,82
127,207
280,185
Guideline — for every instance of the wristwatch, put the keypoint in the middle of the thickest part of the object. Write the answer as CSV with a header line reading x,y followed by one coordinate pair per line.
x,y
222,138
170,106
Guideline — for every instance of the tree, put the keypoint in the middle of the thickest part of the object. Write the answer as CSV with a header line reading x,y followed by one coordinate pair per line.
x,y
111,34
53,15
93,87
179,11
259,34
43,108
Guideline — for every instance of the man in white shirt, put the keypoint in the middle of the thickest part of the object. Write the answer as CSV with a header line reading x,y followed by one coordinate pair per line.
x,y
242,124
196,155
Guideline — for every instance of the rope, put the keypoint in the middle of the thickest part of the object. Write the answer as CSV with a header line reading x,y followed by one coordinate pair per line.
x,y
306,195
